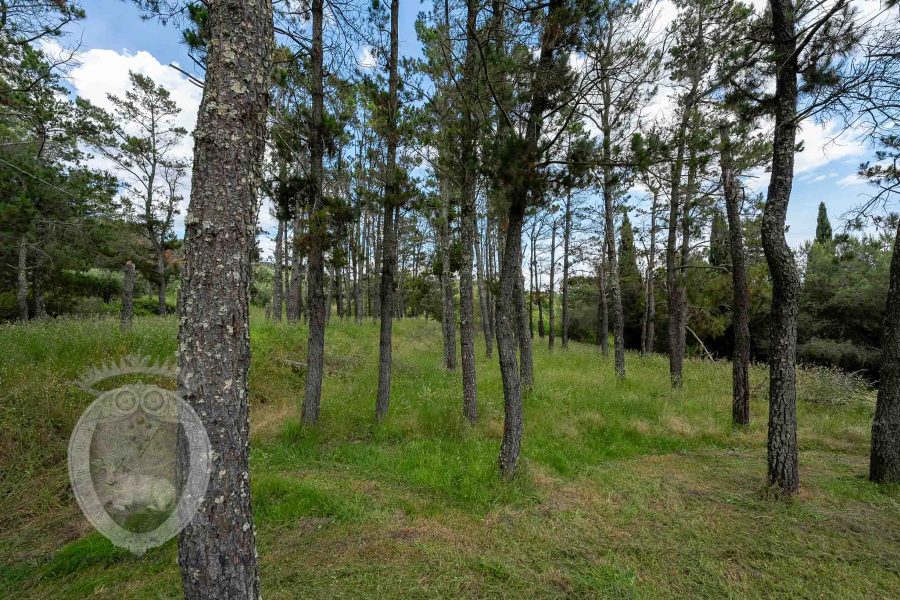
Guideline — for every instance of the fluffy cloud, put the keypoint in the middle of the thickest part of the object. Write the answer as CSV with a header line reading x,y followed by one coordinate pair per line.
x,y
100,72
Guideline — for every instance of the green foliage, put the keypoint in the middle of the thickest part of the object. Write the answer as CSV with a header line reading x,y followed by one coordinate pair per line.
x,y
823,225
842,303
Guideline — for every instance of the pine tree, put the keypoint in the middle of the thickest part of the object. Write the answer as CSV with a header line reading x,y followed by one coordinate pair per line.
x,y
217,550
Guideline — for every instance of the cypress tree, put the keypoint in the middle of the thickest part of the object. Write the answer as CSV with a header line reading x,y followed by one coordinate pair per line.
x,y
823,225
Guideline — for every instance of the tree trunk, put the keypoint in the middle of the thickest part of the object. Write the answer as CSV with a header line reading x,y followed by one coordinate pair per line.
x,y
551,339
674,277
127,296
217,550
22,281
615,286
295,291
318,234
740,309
782,447
567,234
532,274
602,312
884,465
389,251
278,278
650,313
448,304
468,217
484,303
510,273
161,284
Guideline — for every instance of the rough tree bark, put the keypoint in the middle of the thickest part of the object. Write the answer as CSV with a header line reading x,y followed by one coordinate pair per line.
x,y
782,446
467,221
389,250
740,306
567,237
602,309
161,282
884,466
127,314
551,340
217,550
448,304
318,233
615,286
649,336
676,293
484,302
295,291
277,286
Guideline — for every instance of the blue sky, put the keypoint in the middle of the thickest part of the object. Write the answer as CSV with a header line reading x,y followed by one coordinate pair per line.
x,y
114,39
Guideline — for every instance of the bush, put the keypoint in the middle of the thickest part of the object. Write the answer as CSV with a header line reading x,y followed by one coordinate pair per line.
x,y
832,386
146,305
840,353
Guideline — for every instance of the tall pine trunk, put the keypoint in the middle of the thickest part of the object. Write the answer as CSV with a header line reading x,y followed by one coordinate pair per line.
x,y
884,466
278,278
161,283
217,550
676,294
510,273
782,446
615,285
295,291
467,222
567,236
740,306
551,339
318,234
448,303
484,298
650,313
602,308
389,249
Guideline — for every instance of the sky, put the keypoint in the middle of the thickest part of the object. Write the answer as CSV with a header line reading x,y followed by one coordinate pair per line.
x,y
114,39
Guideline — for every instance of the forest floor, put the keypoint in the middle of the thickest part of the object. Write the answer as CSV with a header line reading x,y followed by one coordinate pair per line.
x,y
625,490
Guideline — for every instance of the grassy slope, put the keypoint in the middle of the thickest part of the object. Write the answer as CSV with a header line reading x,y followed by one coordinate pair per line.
x,y
627,490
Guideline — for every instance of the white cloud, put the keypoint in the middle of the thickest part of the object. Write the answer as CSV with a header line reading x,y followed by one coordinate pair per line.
x,y
824,144
367,58
101,71
851,180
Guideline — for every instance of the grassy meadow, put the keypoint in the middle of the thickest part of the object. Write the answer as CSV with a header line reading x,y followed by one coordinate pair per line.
x,y
626,490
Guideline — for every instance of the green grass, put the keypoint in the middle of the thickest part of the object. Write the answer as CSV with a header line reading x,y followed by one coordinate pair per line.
x,y
626,489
